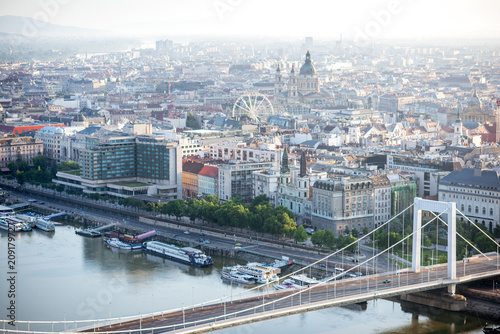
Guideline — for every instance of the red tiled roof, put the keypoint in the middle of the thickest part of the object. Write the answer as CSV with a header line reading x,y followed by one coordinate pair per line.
x,y
209,171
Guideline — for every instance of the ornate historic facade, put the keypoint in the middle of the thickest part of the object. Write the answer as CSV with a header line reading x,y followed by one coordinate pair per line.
x,y
296,89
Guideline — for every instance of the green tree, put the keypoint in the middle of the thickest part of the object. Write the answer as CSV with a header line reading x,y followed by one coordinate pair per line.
x,y
348,240
238,215
496,231
20,177
150,206
68,165
260,214
286,224
175,208
40,162
193,208
427,242
53,169
259,200
484,244
271,225
300,234
347,231
365,230
355,233
318,238
208,209
191,122
329,239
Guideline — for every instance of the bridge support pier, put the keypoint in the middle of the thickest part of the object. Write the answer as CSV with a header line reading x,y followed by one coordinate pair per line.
x,y
438,298
452,288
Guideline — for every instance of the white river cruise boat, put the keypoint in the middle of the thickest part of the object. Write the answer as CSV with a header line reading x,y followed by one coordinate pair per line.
x,y
187,255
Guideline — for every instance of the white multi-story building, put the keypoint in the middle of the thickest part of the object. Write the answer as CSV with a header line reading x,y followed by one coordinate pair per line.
x,y
381,200
189,146
236,179
265,182
476,192
54,141
239,152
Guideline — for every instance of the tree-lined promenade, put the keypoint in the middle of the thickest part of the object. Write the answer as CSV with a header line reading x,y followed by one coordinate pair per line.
x,y
259,215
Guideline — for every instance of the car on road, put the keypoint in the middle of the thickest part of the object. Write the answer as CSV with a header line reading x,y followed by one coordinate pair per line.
x,y
42,202
186,232
322,265
386,281
206,242
176,235
32,200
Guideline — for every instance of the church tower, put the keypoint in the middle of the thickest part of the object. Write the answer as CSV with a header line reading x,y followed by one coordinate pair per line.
x,y
303,164
278,82
284,162
285,176
457,130
303,179
293,85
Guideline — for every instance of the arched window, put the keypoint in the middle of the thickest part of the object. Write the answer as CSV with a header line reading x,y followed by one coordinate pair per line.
x,y
484,210
462,208
470,208
477,209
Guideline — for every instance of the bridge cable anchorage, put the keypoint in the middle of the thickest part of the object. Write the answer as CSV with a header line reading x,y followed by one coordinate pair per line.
x,y
478,228
467,241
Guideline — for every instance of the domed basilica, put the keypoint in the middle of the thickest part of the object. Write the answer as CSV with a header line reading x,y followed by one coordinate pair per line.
x,y
297,88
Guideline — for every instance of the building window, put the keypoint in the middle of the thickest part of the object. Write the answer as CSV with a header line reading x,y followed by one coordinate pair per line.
x,y
477,209
491,212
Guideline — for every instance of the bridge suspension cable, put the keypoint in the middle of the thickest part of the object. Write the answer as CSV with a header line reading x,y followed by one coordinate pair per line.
x,y
467,241
478,228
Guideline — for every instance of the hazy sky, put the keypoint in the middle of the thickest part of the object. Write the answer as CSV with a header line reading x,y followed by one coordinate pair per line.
x,y
323,19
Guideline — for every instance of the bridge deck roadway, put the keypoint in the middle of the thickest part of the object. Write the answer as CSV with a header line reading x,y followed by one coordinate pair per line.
x,y
272,304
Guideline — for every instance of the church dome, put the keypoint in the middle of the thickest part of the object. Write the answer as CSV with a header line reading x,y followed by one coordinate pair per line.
x,y
308,67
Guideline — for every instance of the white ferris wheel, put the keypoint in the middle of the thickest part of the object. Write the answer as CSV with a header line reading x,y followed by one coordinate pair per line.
x,y
255,106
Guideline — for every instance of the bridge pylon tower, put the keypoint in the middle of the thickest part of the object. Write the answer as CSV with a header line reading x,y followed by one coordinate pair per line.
x,y
449,208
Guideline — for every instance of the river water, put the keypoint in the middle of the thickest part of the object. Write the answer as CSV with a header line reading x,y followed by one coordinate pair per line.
x,y
63,276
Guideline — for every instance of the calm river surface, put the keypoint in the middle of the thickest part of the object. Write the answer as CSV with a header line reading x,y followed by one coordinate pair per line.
x,y
62,275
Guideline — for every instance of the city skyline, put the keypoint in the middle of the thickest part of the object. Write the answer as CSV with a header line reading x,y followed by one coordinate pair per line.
x,y
389,19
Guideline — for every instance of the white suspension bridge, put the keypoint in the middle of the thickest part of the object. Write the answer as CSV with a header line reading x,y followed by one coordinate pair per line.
x,y
262,302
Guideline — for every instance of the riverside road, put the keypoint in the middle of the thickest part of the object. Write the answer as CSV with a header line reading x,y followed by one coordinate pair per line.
x,y
168,227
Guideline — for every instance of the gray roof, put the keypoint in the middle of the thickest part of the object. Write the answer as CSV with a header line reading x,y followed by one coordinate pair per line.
x,y
308,67
90,130
488,178
470,125
310,143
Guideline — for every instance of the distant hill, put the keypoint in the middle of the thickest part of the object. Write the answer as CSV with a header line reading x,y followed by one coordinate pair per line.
x,y
28,27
